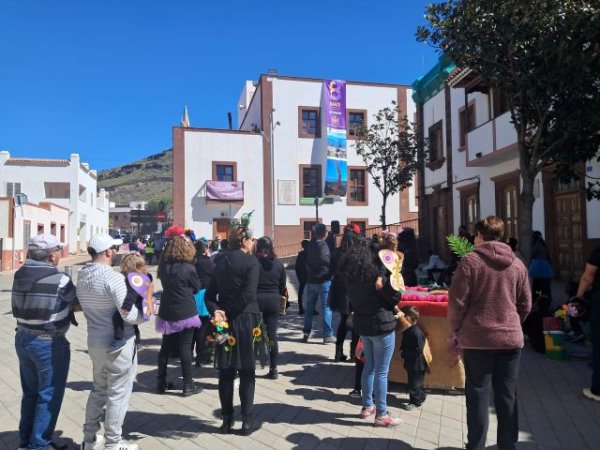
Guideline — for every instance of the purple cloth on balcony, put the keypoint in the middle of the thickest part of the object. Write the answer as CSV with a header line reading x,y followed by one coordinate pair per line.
x,y
225,190
170,327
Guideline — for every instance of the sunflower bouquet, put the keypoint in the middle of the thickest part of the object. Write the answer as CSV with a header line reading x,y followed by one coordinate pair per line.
x,y
222,335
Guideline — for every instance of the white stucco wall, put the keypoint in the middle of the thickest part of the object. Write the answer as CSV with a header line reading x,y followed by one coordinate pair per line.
x,y
86,216
291,151
434,110
252,112
201,148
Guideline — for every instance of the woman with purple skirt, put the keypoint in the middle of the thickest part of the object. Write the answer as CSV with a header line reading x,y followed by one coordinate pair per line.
x,y
177,316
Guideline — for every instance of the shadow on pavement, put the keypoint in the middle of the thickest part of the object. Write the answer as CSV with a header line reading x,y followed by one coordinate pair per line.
x,y
307,440
140,423
302,415
11,440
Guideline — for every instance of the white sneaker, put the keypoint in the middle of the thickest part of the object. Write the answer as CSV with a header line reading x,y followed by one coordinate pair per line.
x,y
124,445
93,445
589,394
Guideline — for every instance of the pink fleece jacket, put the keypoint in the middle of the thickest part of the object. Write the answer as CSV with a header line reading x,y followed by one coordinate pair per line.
x,y
489,298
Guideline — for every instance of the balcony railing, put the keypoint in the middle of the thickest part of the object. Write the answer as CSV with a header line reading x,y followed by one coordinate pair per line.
x,y
225,191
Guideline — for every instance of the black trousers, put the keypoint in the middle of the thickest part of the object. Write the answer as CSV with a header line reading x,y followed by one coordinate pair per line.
x,y
271,322
247,383
341,333
183,342
358,370
301,285
488,370
199,338
595,336
416,394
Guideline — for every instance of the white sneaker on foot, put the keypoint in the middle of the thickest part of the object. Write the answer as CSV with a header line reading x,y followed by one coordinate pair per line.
x,y
93,445
589,394
124,445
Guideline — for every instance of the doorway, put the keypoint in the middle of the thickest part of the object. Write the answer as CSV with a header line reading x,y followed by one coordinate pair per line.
x,y
221,226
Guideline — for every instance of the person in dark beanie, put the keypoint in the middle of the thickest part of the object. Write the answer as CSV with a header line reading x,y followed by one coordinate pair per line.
x,y
488,301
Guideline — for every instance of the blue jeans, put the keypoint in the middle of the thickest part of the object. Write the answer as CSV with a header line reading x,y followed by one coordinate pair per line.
x,y
315,292
374,382
44,365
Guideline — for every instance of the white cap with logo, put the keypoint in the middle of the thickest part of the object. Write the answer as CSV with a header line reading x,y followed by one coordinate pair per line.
x,y
44,242
102,242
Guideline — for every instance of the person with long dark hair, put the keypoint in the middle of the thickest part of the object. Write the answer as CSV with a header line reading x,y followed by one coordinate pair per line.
x,y
407,244
374,321
204,269
271,287
177,316
338,298
231,297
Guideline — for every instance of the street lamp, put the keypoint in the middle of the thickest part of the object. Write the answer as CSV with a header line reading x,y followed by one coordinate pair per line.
x,y
270,140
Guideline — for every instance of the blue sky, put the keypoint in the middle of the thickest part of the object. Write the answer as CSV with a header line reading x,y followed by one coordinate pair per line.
x,y
108,79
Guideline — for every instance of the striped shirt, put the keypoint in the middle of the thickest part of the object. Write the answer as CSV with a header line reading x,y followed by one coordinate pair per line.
x,y
41,298
101,292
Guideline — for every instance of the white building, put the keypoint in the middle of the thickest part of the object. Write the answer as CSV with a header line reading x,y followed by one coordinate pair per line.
x,y
65,183
472,171
275,162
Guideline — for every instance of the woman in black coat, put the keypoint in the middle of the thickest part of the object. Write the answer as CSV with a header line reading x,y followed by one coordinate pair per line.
x,y
177,315
271,288
374,321
231,297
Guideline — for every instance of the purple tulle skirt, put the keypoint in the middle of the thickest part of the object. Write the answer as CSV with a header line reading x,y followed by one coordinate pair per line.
x,y
170,327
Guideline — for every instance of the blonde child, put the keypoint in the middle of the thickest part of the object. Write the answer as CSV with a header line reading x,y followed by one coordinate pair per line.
x,y
132,262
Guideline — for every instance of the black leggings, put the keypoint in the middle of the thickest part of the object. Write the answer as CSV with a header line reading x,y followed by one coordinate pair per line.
x,y
182,341
247,383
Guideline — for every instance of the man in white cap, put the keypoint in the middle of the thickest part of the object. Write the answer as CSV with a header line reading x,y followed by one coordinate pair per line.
x,y
42,298
101,291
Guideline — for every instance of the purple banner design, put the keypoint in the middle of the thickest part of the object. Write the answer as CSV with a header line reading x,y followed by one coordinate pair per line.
x,y
228,191
336,168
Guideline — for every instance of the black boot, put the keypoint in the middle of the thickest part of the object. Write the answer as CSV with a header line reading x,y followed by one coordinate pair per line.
x,y
191,389
249,426
339,354
226,425
273,375
161,385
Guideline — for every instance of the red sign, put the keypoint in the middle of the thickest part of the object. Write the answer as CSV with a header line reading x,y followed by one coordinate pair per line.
x,y
161,216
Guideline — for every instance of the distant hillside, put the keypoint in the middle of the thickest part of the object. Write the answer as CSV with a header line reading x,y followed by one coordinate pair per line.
x,y
148,179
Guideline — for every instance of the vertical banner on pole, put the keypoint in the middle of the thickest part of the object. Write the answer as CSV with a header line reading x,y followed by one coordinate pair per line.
x,y
336,169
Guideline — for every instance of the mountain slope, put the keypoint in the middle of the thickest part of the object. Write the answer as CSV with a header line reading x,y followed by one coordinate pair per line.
x,y
147,179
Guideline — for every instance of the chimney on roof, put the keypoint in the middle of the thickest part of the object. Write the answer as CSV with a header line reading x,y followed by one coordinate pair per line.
x,y
230,120
272,72
4,156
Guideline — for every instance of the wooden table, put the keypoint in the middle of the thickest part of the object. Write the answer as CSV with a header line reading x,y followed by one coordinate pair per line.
x,y
447,370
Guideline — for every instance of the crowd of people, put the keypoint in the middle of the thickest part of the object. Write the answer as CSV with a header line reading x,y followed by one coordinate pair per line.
x,y
223,300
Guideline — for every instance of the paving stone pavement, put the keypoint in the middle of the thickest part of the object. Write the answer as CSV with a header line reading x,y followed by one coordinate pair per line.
x,y
307,407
